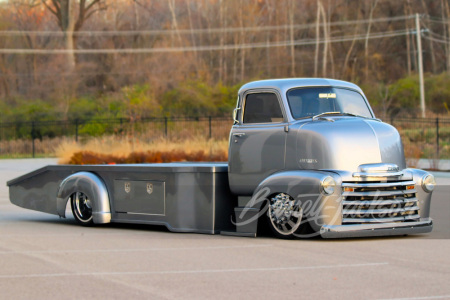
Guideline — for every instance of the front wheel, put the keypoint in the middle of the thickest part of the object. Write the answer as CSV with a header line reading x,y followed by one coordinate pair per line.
x,y
285,216
82,209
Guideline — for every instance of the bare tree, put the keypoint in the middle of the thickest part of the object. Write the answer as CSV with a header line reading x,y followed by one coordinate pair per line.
x,y
241,23
291,12
191,26
70,22
316,53
386,99
326,36
3,79
366,43
447,11
350,50
430,42
172,8
330,47
221,39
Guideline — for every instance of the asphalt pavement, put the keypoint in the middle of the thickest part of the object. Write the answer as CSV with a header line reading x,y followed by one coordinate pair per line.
x,y
44,257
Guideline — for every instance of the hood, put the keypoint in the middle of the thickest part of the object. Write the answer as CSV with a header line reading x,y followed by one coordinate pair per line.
x,y
344,143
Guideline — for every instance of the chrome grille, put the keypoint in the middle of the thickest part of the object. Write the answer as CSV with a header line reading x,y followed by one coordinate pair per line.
x,y
379,202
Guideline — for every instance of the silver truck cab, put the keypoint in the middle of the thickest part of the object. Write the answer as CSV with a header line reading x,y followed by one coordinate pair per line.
x,y
310,152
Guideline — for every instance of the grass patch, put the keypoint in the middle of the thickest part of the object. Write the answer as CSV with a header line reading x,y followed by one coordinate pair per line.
x,y
119,150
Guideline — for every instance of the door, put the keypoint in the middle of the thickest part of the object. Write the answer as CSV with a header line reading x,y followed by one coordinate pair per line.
x,y
257,142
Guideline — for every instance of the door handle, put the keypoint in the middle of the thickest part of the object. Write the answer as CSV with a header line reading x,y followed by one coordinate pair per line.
x,y
238,134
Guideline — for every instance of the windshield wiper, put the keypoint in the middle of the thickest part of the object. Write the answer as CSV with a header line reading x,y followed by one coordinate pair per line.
x,y
326,113
337,113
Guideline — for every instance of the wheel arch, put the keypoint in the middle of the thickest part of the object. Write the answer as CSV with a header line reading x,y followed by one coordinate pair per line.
x,y
305,186
93,187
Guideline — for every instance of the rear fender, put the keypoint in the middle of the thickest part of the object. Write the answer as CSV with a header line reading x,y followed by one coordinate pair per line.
x,y
93,187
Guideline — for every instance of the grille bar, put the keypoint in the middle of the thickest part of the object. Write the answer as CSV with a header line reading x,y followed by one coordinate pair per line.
x,y
415,217
379,193
379,202
379,211
377,184
397,201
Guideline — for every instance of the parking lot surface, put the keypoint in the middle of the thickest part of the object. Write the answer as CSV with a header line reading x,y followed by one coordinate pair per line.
x,y
45,257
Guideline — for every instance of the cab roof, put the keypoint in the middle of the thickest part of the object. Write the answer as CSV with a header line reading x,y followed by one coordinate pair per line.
x,y
283,85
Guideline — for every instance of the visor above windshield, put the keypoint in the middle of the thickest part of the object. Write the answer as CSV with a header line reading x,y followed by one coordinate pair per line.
x,y
309,102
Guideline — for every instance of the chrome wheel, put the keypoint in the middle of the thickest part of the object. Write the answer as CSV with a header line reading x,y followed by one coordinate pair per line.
x,y
82,208
285,215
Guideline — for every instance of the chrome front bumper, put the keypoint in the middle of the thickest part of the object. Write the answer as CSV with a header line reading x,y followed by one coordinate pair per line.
x,y
381,229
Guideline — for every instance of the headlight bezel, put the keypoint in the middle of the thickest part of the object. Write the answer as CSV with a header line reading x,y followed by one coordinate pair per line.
x,y
428,183
328,186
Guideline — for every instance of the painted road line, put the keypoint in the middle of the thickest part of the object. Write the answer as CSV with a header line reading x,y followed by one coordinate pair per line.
x,y
192,272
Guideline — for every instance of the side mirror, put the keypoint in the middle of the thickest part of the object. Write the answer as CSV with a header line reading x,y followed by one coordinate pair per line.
x,y
235,115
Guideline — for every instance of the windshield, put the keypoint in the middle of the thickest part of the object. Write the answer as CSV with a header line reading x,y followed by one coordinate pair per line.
x,y
309,102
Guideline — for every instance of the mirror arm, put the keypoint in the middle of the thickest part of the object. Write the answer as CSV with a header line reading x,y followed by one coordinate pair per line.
x,y
235,114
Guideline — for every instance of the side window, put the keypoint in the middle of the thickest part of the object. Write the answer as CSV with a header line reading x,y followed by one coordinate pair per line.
x,y
262,108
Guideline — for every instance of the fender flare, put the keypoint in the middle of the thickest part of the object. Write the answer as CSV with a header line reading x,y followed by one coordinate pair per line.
x,y
93,187
303,185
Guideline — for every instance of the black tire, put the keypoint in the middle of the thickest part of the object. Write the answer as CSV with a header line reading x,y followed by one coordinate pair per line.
x,y
284,217
82,209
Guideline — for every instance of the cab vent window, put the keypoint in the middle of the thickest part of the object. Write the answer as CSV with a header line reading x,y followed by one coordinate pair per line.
x,y
262,108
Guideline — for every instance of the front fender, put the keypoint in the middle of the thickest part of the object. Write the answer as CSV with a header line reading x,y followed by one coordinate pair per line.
x,y
304,186
93,187
424,197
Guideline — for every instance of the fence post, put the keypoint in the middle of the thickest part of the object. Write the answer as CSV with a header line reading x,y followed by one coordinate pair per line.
x,y
210,128
32,137
437,138
76,130
165,126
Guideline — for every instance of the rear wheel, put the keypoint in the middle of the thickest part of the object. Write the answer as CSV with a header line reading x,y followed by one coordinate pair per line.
x,y
285,216
82,209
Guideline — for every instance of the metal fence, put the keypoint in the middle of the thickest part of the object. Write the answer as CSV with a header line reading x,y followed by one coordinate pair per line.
x,y
34,139
422,138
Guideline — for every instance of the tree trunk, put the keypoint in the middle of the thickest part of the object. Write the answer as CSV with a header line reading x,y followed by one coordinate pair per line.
x,y
316,53
291,35
447,10
3,79
68,26
330,46
430,42
241,24
194,43
408,46
174,19
411,37
444,30
268,58
221,40
325,46
366,43
277,39
349,52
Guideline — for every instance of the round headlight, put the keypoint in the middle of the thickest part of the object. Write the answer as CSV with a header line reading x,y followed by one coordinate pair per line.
x,y
328,185
428,183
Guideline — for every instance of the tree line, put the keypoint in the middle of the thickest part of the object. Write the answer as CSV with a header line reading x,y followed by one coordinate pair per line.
x,y
68,59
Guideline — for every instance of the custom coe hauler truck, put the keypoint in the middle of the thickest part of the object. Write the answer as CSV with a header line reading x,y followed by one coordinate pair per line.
x,y
304,154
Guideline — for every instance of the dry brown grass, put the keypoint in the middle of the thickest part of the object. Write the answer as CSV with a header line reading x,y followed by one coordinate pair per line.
x,y
21,147
413,152
114,149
